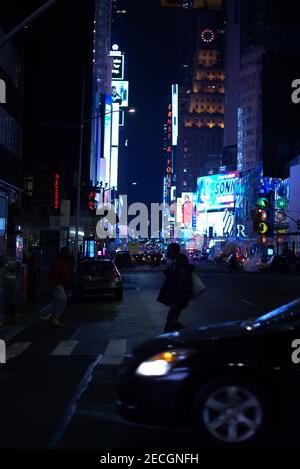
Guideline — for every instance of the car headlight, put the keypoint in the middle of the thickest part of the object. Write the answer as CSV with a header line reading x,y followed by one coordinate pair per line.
x,y
162,363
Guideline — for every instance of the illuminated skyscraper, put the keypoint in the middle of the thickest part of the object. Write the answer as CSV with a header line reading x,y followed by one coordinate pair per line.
x,y
102,76
202,122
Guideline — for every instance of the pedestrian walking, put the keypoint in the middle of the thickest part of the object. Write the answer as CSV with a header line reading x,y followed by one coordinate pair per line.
x,y
233,265
177,289
60,278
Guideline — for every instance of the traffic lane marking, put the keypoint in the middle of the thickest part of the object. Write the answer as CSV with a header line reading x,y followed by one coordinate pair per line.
x,y
114,353
72,407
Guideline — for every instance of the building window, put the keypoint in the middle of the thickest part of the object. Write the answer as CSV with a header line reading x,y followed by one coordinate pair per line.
x,y
28,186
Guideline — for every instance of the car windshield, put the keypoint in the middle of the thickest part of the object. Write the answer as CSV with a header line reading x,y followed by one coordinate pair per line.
x,y
281,319
96,267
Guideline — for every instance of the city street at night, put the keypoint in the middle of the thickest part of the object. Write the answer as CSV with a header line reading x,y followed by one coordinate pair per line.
x,y
149,230
59,388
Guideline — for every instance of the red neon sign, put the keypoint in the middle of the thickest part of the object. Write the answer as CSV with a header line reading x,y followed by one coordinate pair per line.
x,y
92,201
56,191
168,150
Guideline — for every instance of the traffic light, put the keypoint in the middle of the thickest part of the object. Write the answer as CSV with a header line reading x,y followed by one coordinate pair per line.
x,y
264,221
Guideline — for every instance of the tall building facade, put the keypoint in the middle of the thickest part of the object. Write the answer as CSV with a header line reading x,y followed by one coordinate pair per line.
x,y
232,84
269,42
11,152
202,121
101,99
120,38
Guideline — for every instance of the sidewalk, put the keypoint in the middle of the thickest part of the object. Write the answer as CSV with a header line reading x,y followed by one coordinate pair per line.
x,y
31,313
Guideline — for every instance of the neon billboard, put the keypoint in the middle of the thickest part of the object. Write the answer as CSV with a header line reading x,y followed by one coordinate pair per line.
x,y
217,192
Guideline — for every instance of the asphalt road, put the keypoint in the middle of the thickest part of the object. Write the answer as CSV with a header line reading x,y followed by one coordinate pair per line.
x,y
58,388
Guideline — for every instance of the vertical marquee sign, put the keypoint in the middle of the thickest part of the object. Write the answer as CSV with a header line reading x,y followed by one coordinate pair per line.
x,y
56,187
169,156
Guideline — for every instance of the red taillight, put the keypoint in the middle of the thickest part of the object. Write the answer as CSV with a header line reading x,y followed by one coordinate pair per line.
x,y
116,275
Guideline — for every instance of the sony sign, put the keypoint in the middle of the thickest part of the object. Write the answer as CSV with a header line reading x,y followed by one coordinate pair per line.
x,y
2,92
225,187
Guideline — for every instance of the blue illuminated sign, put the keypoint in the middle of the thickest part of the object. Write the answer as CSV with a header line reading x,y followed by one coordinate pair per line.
x,y
217,192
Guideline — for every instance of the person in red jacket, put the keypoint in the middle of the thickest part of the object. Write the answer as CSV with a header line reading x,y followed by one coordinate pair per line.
x,y
60,281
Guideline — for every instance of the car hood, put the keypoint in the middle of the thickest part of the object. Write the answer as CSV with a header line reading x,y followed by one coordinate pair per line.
x,y
192,338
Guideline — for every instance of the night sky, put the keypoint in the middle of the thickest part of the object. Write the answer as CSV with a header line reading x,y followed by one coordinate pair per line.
x,y
152,60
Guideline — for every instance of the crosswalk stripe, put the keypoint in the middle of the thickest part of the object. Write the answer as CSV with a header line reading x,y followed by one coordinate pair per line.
x,y
65,348
16,349
114,353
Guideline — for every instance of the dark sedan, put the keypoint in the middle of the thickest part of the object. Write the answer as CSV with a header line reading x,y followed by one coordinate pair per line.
x,y
233,383
98,277
123,259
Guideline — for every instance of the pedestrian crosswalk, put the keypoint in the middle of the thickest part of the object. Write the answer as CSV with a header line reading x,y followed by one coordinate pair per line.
x,y
65,348
16,349
112,352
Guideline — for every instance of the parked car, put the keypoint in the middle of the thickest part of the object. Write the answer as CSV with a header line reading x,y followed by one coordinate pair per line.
x,y
123,259
98,277
234,383
274,263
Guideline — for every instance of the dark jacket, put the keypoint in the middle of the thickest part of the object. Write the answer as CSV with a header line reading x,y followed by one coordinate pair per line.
x,y
178,284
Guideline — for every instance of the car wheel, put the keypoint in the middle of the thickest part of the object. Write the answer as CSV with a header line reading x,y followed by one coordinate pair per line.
x,y
119,295
231,412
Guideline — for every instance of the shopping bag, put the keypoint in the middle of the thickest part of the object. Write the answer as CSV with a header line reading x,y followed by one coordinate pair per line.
x,y
198,286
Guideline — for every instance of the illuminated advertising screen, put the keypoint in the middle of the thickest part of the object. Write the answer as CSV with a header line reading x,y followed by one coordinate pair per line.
x,y
217,192
187,210
115,125
179,211
107,135
120,92
194,211
175,115
89,248
114,167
